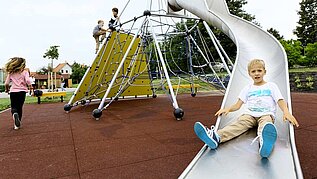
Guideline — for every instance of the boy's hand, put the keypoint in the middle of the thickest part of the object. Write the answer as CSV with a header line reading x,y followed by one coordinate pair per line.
x,y
288,116
222,111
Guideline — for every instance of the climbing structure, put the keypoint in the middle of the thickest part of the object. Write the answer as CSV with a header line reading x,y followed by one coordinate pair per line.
x,y
137,61
132,79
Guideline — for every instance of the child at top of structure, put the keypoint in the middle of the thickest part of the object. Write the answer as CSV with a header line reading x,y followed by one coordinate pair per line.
x,y
261,99
19,80
99,31
114,20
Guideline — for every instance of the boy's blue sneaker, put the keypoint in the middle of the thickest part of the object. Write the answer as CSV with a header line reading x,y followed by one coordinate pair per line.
x,y
267,140
208,136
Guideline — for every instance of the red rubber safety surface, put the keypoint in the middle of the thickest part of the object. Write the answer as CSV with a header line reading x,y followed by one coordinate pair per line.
x,y
137,138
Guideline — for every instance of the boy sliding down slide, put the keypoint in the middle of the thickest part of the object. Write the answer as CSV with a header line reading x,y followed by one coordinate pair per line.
x,y
261,99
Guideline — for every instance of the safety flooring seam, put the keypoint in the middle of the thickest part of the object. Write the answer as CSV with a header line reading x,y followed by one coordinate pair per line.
x,y
74,145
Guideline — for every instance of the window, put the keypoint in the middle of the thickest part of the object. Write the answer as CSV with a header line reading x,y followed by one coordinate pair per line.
x,y
66,71
62,71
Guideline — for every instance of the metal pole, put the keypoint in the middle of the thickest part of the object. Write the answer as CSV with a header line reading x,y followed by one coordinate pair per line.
x,y
124,8
189,57
175,105
222,50
216,46
207,61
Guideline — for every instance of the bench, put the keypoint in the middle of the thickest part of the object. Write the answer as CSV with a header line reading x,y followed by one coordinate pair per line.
x,y
51,94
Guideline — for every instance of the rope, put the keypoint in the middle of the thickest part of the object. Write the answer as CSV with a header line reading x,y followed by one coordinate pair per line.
x,y
145,50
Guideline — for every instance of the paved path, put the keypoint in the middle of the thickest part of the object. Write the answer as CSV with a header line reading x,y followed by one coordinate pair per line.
x,y
133,139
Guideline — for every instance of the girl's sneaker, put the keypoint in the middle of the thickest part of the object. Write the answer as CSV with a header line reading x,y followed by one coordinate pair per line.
x,y
17,122
208,136
267,139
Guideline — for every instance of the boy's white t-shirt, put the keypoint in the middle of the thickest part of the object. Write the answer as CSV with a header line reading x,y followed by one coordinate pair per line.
x,y
261,100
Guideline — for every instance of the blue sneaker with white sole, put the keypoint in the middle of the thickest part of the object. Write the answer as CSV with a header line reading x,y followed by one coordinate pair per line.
x,y
267,140
208,136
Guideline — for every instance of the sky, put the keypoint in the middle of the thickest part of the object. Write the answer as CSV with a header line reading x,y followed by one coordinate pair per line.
x,y
29,27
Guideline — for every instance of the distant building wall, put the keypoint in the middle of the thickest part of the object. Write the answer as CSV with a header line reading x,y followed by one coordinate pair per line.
x,y
66,70
2,76
2,79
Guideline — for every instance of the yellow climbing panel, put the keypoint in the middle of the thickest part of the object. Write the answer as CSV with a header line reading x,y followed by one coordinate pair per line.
x,y
133,77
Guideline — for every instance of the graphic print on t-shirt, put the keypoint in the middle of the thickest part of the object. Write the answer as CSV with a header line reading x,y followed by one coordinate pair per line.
x,y
258,100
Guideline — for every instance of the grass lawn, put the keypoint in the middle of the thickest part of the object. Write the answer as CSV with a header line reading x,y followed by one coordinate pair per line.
x,y
5,102
175,81
294,70
75,85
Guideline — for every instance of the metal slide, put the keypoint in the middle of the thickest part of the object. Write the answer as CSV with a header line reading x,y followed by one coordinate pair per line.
x,y
237,158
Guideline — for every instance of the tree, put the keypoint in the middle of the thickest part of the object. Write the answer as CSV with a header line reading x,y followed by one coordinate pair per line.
x,y
275,33
44,70
235,8
306,30
177,49
52,53
293,50
311,54
78,71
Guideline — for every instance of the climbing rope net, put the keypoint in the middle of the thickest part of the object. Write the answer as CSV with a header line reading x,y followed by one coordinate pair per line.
x,y
161,54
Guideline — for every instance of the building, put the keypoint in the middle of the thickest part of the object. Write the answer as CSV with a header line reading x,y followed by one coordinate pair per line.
x,y
2,79
61,73
2,76
42,80
63,68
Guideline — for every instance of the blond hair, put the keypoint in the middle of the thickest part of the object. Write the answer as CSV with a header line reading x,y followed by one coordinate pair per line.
x,y
15,64
256,62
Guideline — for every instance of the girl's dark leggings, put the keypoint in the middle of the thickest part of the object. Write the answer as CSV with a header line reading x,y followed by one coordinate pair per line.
x,y
17,100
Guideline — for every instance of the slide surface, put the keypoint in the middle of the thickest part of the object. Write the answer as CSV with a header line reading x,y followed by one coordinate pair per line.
x,y
237,158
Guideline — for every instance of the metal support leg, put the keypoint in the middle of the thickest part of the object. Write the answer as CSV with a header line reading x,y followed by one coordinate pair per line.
x,y
178,112
207,61
216,46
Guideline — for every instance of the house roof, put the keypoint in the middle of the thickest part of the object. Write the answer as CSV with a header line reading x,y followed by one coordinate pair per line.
x,y
45,77
60,66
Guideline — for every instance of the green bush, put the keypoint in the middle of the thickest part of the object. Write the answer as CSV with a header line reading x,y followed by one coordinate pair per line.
x,y
310,82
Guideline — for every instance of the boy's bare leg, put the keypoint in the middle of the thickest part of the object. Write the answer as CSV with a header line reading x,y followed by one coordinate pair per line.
x,y
103,34
103,37
97,42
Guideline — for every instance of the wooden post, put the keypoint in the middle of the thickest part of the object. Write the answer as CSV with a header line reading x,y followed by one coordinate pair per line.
x,y
48,80
55,80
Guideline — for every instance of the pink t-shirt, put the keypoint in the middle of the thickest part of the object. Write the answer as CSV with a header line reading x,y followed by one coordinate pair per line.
x,y
18,81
